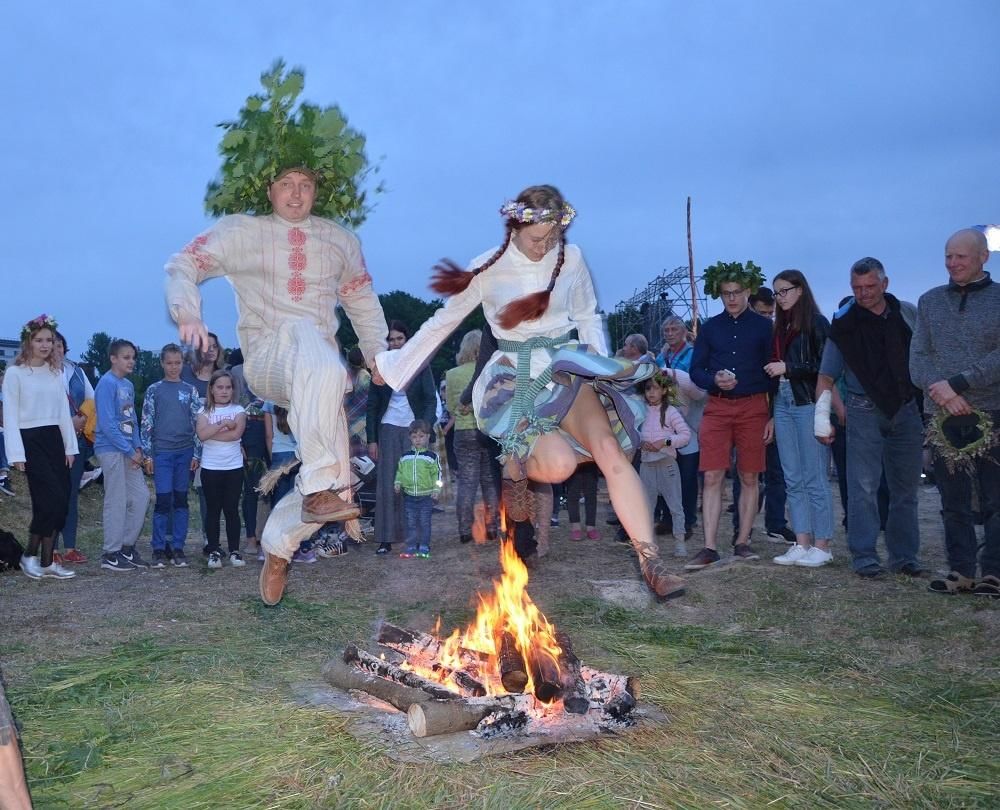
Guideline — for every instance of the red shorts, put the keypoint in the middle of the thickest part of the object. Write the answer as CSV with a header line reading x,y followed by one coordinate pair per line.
x,y
729,422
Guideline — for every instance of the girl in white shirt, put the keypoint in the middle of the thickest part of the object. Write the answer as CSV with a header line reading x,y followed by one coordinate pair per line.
x,y
41,441
220,427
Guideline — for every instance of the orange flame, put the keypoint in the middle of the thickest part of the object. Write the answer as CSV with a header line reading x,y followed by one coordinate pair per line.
x,y
508,609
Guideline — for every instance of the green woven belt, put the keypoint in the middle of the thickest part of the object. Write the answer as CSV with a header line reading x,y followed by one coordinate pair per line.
x,y
526,389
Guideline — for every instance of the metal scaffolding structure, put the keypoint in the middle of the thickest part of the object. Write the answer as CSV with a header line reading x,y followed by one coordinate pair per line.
x,y
667,294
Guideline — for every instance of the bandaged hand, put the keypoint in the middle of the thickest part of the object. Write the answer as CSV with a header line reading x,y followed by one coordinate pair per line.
x,y
822,428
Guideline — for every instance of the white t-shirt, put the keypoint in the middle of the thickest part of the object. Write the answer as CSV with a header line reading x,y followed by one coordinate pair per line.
x,y
399,412
218,455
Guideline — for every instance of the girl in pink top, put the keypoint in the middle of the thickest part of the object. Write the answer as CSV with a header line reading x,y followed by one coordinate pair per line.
x,y
663,431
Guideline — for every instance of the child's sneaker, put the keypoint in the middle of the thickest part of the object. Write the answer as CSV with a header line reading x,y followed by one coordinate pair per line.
x,y
214,559
56,571
261,555
31,567
178,559
159,558
304,556
74,556
424,553
236,559
408,554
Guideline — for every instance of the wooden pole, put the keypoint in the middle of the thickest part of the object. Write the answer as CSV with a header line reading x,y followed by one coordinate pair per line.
x,y
694,284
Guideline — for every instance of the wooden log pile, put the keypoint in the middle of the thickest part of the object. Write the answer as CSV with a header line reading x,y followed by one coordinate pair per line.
x,y
461,702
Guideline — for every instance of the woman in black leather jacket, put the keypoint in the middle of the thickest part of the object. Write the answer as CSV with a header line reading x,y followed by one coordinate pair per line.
x,y
800,331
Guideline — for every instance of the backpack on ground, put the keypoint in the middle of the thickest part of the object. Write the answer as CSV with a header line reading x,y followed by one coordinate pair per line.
x,y
10,552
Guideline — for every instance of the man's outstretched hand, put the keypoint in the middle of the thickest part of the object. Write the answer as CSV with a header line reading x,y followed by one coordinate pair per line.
x,y
193,333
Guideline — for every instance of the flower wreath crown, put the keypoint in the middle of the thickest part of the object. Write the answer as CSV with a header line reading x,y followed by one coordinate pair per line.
x,y
43,321
527,215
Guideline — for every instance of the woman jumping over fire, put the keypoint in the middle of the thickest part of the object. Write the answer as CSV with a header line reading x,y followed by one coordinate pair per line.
x,y
551,400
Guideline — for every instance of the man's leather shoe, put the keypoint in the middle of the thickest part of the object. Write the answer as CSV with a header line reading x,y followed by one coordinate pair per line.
x,y
273,578
327,506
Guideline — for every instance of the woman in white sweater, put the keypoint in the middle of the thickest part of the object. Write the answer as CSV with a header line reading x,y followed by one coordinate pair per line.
x,y
551,400
41,441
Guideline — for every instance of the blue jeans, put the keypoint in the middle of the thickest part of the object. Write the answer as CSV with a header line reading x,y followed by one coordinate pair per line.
x,y
287,481
3,455
171,475
956,507
75,476
876,442
804,464
417,510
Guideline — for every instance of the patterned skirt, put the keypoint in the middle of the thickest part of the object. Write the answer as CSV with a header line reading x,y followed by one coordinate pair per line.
x,y
516,407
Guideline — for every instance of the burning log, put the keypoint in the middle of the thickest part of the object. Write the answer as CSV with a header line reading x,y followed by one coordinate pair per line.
x,y
347,676
510,662
393,672
545,675
433,717
575,700
416,645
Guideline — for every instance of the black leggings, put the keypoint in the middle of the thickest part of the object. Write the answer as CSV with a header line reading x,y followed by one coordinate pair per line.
x,y
222,496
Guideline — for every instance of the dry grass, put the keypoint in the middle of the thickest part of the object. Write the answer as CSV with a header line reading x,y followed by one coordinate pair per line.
x,y
173,690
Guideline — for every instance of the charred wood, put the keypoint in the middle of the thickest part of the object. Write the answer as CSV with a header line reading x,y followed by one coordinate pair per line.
x,y
574,690
513,673
393,672
347,676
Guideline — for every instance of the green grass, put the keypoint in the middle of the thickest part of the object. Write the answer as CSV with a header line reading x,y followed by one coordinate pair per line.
x,y
753,721
813,691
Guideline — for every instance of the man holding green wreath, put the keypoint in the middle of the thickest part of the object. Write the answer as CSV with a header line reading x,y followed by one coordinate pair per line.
x,y
955,359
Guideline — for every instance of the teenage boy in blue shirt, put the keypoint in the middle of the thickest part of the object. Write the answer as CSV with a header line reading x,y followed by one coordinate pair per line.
x,y
117,447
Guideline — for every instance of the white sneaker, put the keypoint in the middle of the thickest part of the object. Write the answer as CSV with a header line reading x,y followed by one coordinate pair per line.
x,y
31,567
236,559
792,556
56,571
814,558
215,560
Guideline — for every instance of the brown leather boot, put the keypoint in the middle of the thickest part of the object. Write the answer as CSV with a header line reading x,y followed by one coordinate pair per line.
x,y
518,501
664,584
328,506
273,578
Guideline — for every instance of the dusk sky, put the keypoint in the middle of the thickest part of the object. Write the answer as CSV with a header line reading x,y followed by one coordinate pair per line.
x,y
809,134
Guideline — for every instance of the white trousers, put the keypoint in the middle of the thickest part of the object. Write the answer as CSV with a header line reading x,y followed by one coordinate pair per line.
x,y
301,371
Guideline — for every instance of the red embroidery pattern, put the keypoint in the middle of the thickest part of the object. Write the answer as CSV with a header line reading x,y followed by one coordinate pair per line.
x,y
355,284
296,263
195,250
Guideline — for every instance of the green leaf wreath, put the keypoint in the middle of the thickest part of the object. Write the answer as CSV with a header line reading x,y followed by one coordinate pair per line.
x,y
962,458
751,277
270,135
